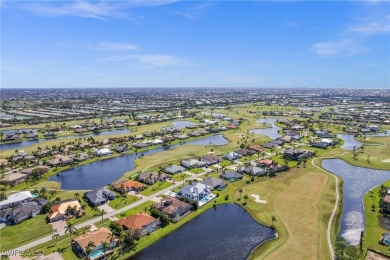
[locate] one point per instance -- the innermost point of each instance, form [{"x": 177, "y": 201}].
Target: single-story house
[
  {"x": 60, "y": 160},
  {"x": 97, "y": 237},
  {"x": 140, "y": 145},
  {"x": 13, "y": 178},
  {"x": 214, "y": 183},
  {"x": 16, "y": 199},
  {"x": 256, "y": 148},
  {"x": 63, "y": 208},
  {"x": 152, "y": 177},
  {"x": 211, "y": 159},
  {"x": 173, "y": 169},
  {"x": 42, "y": 170},
  {"x": 103, "y": 152},
  {"x": 142, "y": 223},
  {"x": 253, "y": 170},
  {"x": 245, "y": 152},
  {"x": 195, "y": 191},
  {"x": 231, "y": 175},
  {"x": 99, "y": 196},
  {"x": 20, "y": 212},
  {"x": 129, "y": 185},
  {"x": 385, "y": 239},
  {"x": 232, "y": 156},
  {"x": 192, "y": 163},
  {"x": 173, "y": 207}
]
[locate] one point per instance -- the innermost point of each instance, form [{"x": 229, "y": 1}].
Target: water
[
  {"x": 385, "y": 133},
  {"x": 226, "y": 232},
  {"x": 271, "y": 132},
  {"x": 357, "y": 182},
  {"x": 349, "y": 141},
  {"x": 101, "y": 173},
  {"x": 182, "y": 124},
  {"x": 26, "y": 143}
]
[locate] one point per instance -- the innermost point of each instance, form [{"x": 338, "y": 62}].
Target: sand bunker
[
  {"x": 257, "y": 199},
  {"x": 387, "y": 160}
]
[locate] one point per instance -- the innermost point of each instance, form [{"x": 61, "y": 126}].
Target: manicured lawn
[
  {"x": 140, "y": 208},
  {"x": 27, "y": 231},
  {"x": 224, "y": 163},
  {"x": 121, "y": 202},
  {"x": 155, "y": 188},
  {"x": 196, "y": 170},
  {"x": 373, "y": 231}
]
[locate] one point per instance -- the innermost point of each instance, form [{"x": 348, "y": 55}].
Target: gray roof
[
  {"x": 99, "y": 196},
  {"x": 213, "y": 182},
  {"x": 21, "y": 212},
  {"x": 174, "y": 168},
  {"x": 231, "y": 174}
]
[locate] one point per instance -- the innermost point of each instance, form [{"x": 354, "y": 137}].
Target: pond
[
  {"x": 357, "y": 182},
  {"x": 271, "y": 132},
  {"x": 101, "y": 173},
  {"x": 349, "y": 141},
  {"x": 226, "y": 232},
  {"x": 181, "y": 124},
  {"x": 26, "y": 143}
]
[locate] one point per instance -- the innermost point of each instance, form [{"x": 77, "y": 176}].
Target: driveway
[
  {"x": 59, "y": 226},
  {"x": 106, "y": 208}
]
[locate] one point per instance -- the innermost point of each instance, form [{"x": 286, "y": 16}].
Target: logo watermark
[{"x": 15, "y": 252}]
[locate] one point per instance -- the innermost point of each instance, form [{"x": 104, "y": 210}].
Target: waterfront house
[
  {"x": 194, "y": 192},
  {"x": 142, "y": 223},
  {"x": 173, "y": 207},
  {"x": 20, "y": 212},
  {"x": 13, "y": 178},
  {"x": 173, "y": 169},
  {"x": 97, "y": 237},
  {"x": 63, "y": 209},
  {"x": 16, "y": 199},
  {"x": 40, "y": 169},
  {"x": 128, "y": 185},
  {"x": 103, "y": 152},
  {"x": 214, "y": 183},
  {"x": 99, "y": 196},
  {"x": 192, "y": 163},
  {"x": 60, "y": 160},
  {"x": 231, "y": 176}
]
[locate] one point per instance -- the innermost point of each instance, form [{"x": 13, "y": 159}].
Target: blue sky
[{"x": 167, "y": 43}]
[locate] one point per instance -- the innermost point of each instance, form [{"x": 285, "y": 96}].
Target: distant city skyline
[{"x": 195, "y": 44}]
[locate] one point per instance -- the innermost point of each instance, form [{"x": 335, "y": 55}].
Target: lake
[
  {"x": 101, "y": 173},
  {"x": 226, "y": 232},
  {"x": 26, "y": 143},
  {"x": 181, "y": 124},
  {"x": 349, "y": 141},
  {"x": 357, "y": 182},
  {"x": 271, "y": 132}
]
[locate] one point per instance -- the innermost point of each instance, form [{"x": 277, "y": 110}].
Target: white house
[
  {"x": 16, "y": 199},
  {"x": 157, "y": 141},
  {"x": 195, "y": 191},
  {"x": 103, "y": 151},
  {"x": 192, "y": 163}
]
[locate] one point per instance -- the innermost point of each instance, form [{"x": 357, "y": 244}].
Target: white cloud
[
  {"x": 345, "y": 47},
  {"x": 372, "y": 28},
  {"x": 151, "y": 59},
  {"x": 114, "y": 46},
  {"x": 91, "y": 9},
  {"x": 194, "y": 12}
]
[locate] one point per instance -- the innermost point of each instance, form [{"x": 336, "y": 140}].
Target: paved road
[{"x": 97, "y": 219}]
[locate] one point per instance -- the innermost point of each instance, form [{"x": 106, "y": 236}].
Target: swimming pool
[
  {"x": 34, "y": 195},
  {"x": 206, "y": 199},
  {"x": 97, "y": 253}
]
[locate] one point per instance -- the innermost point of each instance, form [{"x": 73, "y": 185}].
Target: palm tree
[
  {"x": 104, "y": 247},
  {"x": 70, "y": 228},
  {"x": 89, "y": 249},
  {"x": 101, "y": 212},
  {"x": 245, "y": 198},
  {"x": 240, "y": 191},
  {"x": 55, "y": 237},
  {"x": 77, "y": 195}
]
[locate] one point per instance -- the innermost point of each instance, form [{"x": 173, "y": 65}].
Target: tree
[
  {"x": 273, "y": 219},
  {"x": 240, "y": 191},
  {"x": 89, "y": 249},
  {"x": 55, "y": 237},
  {"x": 77, "y": 195},
  {"x": 101, "y": 213},
  {"x": 105, "y": 246},
  {"x": 70, "y": 228},
  {"x": 245, "y": 198},
  {"x": 3, "y": 196}
]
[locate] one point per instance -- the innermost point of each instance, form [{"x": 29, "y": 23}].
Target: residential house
[
  {"x": 195, "y": 191},
  {"x": 140, "y": 145},
  {"x": 97, "y": 237},
  {"x": 211, "y": 159},
  {"x": 13, "y": 178},
  {"x": 386, "y": 204},
  {"x": 192, "y": 163},
  {"x": 21, "y": 212},
  {"x": 103, "y": 152},
  {"x": 16, "y": 199},
  {"x": 385, "y": 239},
  {"x": 297, "y": 154},
  {"x": 152, "y": 177},
  {"x": 42, "y": 169},
  {"x": 253, "y": 170},
  {"x": 60, "y": 160},
  {"x": 129, "y": 185},
  {"x": 64, "y": 208},
  {"x": 245, "y": 152},
  {"x": 99, "y": 196},
  {"x": 142, "y": 223},
  {"x": 232, "y": 156},
  {"x": 214, "y": 183},
  {"x": 173, "y": 169},
  {"x": 174, "y": 208},
  {"x": 256, "y": 147},
  {"x": 231, "y": 176}
]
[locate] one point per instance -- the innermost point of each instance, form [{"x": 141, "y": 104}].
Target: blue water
[
  {"x": 349, "y": 141},
  {"x": 97, "y": 253},
  {"x": 357, "y": 181},
  {"x": 226, "y": 232},
  {"x": 271, "y": 132},
  {"x": 101, "y": 173},
  {"x": 182, "y": 124},
  {"x": 26, "y": 143}
]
